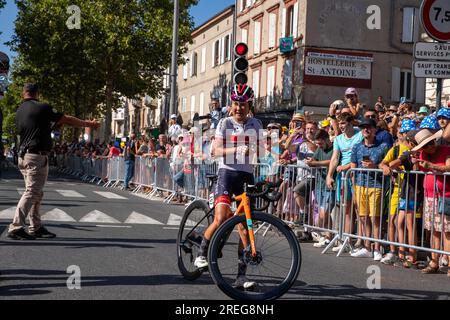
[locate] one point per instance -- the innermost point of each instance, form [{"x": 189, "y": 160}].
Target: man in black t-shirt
[
  {"x": 129, "y": 155},
  {"x": 34, "y": 122}
]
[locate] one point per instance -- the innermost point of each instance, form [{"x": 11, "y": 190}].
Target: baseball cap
[
  {"x": 173, "y": 116},
  {"x": 367, "y": 122},
  {"x": 325, "y": 123},
  {"x": 443, "y": 112},
  {"x": 407, "y": 126},
  {"x": 351, "y": 91}
]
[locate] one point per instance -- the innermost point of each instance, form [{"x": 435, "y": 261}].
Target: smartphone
[
  {"x": 402, "y": 100},
  {"x": 298, "y": 125},
  {"x": 366, "y": 158}
]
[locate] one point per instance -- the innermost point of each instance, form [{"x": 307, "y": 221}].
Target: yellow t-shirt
[{"x": 390, "y": 157}]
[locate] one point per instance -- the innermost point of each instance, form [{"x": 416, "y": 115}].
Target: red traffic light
[{"x": 241, "y": 49}]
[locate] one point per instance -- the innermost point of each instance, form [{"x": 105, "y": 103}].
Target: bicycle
[{"x": 259, "y": 234}]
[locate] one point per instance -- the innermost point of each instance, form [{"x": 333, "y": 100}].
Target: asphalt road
[{"x": 124, "y": 247}]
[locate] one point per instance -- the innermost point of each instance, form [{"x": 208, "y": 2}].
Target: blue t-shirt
[
  {"x": 384, "y": 137},
  {"x": 345, "y": 145},
  {"x": 376, "y": 153}
]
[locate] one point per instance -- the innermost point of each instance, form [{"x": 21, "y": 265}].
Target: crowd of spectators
[{"x": 383, "y": 146}]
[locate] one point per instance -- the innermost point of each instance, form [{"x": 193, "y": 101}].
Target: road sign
[
  {"x": 435, "y": 16},
  {"x": 432, "y": 69},
  {"x": 432, "y": 51}
]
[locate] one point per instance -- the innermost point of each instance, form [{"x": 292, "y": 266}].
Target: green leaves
[{"x": 121, "y": 49}]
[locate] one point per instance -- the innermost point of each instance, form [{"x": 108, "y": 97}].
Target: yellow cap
[{"x": 325, "y": 123}]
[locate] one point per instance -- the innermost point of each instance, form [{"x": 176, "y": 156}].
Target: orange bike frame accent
[{"x": 244, "y": 207}]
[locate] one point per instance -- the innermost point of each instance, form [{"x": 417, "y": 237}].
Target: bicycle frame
[{"x": 244, "y": 207}]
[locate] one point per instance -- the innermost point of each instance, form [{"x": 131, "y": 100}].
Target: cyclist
[{"x": 233, "y": 138}]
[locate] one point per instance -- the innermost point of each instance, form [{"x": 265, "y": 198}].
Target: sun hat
[
  {"x": 443, "y": 112},
  {"x": 423, "y": 109},
  {"x": 423, "y": 137},
  {"x": 408, "y": 125},
  {"x": 430, "y": 122},
  {"x": 298, "y": 116}
]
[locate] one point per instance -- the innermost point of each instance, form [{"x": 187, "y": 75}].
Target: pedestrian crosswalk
[{"x": 97, "y": 216}]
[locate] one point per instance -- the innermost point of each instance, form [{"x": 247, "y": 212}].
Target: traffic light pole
[
  {"x": 234, "y": 39},
  {"x": 174, "y": 66}
]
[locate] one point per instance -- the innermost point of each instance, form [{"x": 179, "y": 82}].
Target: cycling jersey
[{"x": 234, "y": 134}]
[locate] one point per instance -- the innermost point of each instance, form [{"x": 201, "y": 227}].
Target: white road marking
[
  {"x": 109, "y": 195},
  {"x": 175, "y": 220},
  {"x": 70, "y": 194},
  {"x": 57, "y": 215},
  {"x": 98, "y": 216},
  {"x": 171, "y": 228},
  {"x": 138, "y": 218},
  {"x": 8, "y": 213}
]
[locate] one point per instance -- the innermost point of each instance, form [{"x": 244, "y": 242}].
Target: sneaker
[
  {"x": 362, "y": 253},
  {"x": 338, "y": 248},
  {"x": 377, "y": 256},
  {"x": 42, "y": 232},
  {"x": 389, "y": 259},
  {"x": 20, "y": 234},
  {"x": 243, "y": 283},
  {"x": 316, "y": 236},
  {"x": 201, "y": 262},
  {"x": 322, "y": 244}
]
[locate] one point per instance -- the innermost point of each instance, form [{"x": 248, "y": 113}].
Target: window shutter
[
  {"x": 202, "y": 104},
  {"x": 256, "y": 83},
  {"x": 395, "y": 84},
  {"x": 213, "y": 53},
  {"x": 222, "y": 50},
  {"x": 185, "y": 70},
  {"x": 192, "y": 103},
  {"x": 257, "y": 38},
  {"x": 417, "y": 24},
  {"x": 191, "y": 65},
  {"x": 229, "y": 46},
  {"x": 203, "y": 67},
  {"x": 244, "y": 35},
  {"x": 270, "y": 83},
  {"x": 272, "y": 29},
  {"x": 408, "y": 25},
  {"x": 283, "y": 23},
  {"x": 295, "y": 21}
]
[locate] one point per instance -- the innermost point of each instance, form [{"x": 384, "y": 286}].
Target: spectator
[
  {"x": 423, "y": 112},
  {"x": 216, "y": 113},
  {"x": 352, "y": 102},
  {"x": 382, "y": 136},
  {"x": 443, "y": 116},
  {"x": 368, "y": 185},
  {"x": 435, "y": 158},
  {"x": 392, "y": 158},
  {"x": 143, "y": 148},
  {"x": 325, "y": 197},
  {"x": 129, "y": 154},
  {"x": 379, "y": 104},
  {"x": 341, "y": 162},
  {"x": 174, "y": 127},
  {"x": 392, "y": 120}
]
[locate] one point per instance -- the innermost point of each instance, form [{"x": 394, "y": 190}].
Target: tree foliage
[{"x": 121, "y": 49}]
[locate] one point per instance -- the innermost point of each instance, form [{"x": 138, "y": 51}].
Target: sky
[{"x": 204, "y": 10}]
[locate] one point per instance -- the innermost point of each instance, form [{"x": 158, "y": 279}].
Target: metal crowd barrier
[{"x": 421, "y": 217}]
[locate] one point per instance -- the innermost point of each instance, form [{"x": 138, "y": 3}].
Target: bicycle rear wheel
[
  {"x": 274, "y": 269},
  {"x": 196, "y": 219}
]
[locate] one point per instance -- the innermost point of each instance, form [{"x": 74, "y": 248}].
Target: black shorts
[{"x": 230, "y": 183}]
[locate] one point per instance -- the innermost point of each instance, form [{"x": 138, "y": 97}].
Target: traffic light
[{"x": 240, "y": 63}]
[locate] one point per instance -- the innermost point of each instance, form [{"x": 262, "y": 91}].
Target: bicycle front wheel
[
  {"x": 197, "y": 217},
  {"x": 267, "y": 276}
]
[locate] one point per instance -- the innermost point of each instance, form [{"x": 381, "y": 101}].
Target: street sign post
[
  {"x": 435, "y": 18},
  {"x": 432, "y": 69},
  {"x": 432, "y": 50}
]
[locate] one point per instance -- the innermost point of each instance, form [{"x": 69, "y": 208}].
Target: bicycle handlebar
[{"x": 267, "y": 187}]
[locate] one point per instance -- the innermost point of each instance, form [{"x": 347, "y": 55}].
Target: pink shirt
[{"x": 441, "y": 155}]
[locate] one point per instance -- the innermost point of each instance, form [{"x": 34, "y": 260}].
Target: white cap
[{"x": 173, "y": 116}]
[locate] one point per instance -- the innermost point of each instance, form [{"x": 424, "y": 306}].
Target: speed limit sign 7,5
[{"x": 435, "y": 16}]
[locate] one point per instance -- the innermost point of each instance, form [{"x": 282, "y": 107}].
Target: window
[
  {"x": 192, "y": 103},
  {"x": 256, "y": 76},
  {"x": 183, "y": 104},
  {"x": 291, "y": 21},
  {"x": 203, "y": 66},
  {"x": 402, "y": 84},
  {"x": 411, "y": 25},
  {"x": 270, "y": 84},
  {"x": 257, "y": 38},
  {"x": 226, "y": 48},
  {"x": 272, "y": 30},
  {"x": 193, "y": 64},
  {"x": 216, "y": 53}
]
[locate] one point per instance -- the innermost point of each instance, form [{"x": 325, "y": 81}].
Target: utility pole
[{"x": 174, "y": 66}]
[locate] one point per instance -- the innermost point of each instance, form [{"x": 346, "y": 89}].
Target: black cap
[
  {"x": 31, "y": 88},
  {"x": 367, "y": 122}
]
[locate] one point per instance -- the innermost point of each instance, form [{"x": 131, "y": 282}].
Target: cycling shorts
[{"x": 230, "y": 183}]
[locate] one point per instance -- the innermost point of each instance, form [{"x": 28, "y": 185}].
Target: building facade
[
  {"x": 306, "y": 52},
  {"x": 206, "y": 75}
]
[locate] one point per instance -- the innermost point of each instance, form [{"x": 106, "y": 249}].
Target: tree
[{"x": 121, "y": 49}]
